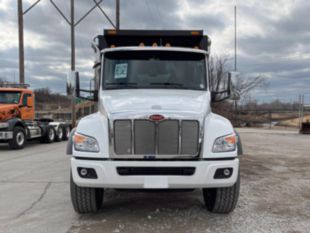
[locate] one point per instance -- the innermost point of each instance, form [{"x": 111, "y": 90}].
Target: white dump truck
[{"x": 154, "y": 128}]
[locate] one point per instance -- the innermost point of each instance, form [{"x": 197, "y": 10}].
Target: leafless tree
[
  {"x": 219, "y": 68},
  {"x": 244, "y": 85},
  {"x": 2, "y": 80}
]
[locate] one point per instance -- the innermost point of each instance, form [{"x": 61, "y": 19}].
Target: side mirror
[
  {"x": 70, "y": 86},
  {"x": 235, "y": 95},
  {"x": 91, "y": 95},
  {"x": 225, "y": 93}
]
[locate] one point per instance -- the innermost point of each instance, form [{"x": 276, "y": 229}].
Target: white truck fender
[{"x": 216, "y": 126}]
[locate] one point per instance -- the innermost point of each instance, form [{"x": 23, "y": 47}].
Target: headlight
[
  {"x": 85, "y": 143},
  {"x": 225, "y": 144},
  {"x": 4, "y": 125}
]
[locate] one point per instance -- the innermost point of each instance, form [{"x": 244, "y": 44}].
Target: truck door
[{"x": 27, "y": 108}]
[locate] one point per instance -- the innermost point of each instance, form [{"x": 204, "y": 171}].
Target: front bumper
[
  {"x": 108, "y": 176},
  {"x": 6, "y": 135}
]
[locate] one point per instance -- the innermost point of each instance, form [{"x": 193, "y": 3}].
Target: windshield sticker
[{"x": 120, "y": 71}]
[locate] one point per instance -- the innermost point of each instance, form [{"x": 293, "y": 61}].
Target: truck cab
[
  {"x": 154, "y": 128},
  {"x": 17, "y": 119},
  {"x": 16, "y": 102}
]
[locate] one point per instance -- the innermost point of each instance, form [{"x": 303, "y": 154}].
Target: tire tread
[
  {"x": 85, "y": 200},
  {"x": 225, "y": 199}
]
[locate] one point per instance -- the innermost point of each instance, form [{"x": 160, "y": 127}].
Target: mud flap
[
  {"x": 70, "y": 142},
  {"x": 239, "y": 144}
]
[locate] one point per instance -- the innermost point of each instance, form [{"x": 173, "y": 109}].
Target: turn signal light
[{"x": 231, "y": 139}]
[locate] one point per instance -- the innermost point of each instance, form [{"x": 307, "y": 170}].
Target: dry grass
[{"x": 294, "y": 122}]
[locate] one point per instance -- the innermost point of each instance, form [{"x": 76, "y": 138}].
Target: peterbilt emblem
[{"x": 157, "y": 117}]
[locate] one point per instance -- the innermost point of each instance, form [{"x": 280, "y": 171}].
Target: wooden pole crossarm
[{"x": 29, "y": 8}]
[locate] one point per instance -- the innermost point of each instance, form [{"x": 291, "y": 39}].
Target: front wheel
[
  {"x": 222, "y": 200},
  {"x": 85, "y": 200},
  {"x": 19, "y": 138}
]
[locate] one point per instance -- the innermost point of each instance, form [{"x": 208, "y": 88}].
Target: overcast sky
[{"x": 273, "y": 38}]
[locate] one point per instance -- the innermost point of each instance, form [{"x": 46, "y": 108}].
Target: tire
[
  {"x": 222, "y": 200},
  {"x": 66, "y": 134},
  {"x": 85, "y": 200},
  {"x": 60, "y": 133},
  {"x": 49, "y": 135},
  {"x": 19, "y": 138}
]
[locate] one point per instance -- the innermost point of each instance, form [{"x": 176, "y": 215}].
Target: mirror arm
[{"x": 78, "y": 90}]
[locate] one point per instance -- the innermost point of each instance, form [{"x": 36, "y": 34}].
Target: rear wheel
[
  {"x": 85, "y": 200},
  {"x": 222, "y": 200},
  {"x": 19, "y": 138},
  {"x": 66, "y": 134},
  {"x": 50, "y": 134},
  {"x": 60, "y": 133}
]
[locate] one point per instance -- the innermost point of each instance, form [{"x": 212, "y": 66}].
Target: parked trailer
[{"x": 17, "y": 119}]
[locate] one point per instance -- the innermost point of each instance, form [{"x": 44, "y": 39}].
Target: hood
[
  {"x": 5, "y": 111},
  {"x": 157, "y": 101}
]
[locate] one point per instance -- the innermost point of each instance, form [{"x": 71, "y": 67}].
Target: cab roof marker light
[
  {"x": 112, "y": 32},
  {"x": 154, "y": 44},
  {"x": 195, "y": 33},
  {"x": 141, "y": 44},
  {"x": 168, "y": 45}
]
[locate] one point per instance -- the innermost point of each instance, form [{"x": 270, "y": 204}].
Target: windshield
[
  {"x": 9, "y": 97},
  {"x": 154, "y": 69}
]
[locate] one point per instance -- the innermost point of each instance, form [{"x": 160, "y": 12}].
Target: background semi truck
[
  {"x": 154, "y": 128},
  {"x": 17, "y": 119}
]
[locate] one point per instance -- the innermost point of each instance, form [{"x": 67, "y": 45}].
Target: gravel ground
[{"x": 275, "y": 194}]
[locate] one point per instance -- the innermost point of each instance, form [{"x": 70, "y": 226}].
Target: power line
[
  {"x": 149, "y": 9},
  {"x": 73, "y": 23},
  {"x": 158, "y": 12}
]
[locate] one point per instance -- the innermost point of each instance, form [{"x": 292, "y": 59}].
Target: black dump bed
[{"x": 174, "y": 38}]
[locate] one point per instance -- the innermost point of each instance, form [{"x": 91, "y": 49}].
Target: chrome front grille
[
  {"x": 189, "y": 137},
  {"x": 168, "y": 137},
  {"x": 145, "y": 137},
  {"x": 123, "y": 137}
]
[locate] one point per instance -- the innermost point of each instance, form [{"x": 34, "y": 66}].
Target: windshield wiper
[
  {"x": 167, "y": 84},
  {"x": 122, "y": 84},
  {"x": 119, "y": 85}
]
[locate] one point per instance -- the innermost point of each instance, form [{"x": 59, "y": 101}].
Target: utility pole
[
  {"x": 117, "y": 14},
  {"x": 20, "y": 16},
  {"x": 73, "y": 23},
  {"x": 21, "y": 41},
  {"x": 235, "y": 38},
  {"x": 72, "y": 36},
  {"x": 236, "y": 101},
  {"x": 72, "y": 27}
]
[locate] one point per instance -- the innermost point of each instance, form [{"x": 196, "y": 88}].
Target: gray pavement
[{"x": 275, "y": 194}]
